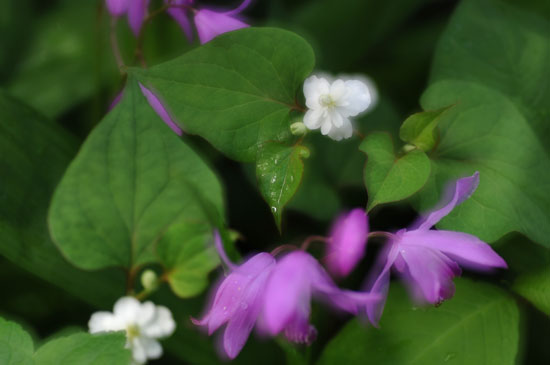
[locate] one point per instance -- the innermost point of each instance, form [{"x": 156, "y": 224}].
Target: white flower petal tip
[
  {"x": 331, "y": 104},
  {"x": 144, "y": 323}
]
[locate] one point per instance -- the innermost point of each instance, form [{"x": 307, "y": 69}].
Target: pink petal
[
  {"x": 240, "y": 8},
  {"x": 136, "y": 14},
  {"x": 379, "y": 282},
  {"x": 117, "y": 7},
  {"x": 430, "y": 273},
  {"x": 180, "y": 14},
  {"x": 349, "y": 238},
  {"x": 468, "y": 250},
  {"x": 211, "y": 24},
  {"x": 288, "y": 289},
  {"x": 156, "y": 104},
  {"x": 461, "y": 190}
]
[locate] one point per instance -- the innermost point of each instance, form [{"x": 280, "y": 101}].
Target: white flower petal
[
  {"x": 336, "y": 119},
  {"x": 103, "y": 322},
  {"x": 314, "y": 87},
  {"x": 162, "y": 325},
  {"x": 337, "y": 90},
  {"x": 147, "y": 313},
  {"x": 326, "y": 126},
  {"x": 344, "y": 132},
  {"x": 127, "y": 309},
  {"x": 357, "y": 97},
  {"x": 138, "y": 351},
  {"x": 152, "y": 348},
  {"x": 313, "y": 119}
]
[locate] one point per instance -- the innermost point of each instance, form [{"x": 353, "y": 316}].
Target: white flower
[
  {"x": 143, "y": 323},
  {"x": 331, "y": 104}
]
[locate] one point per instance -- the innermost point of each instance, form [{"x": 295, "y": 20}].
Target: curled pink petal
[
  {"x": 137, "y": 10},
  {"x": 157, "y": 106},
  {"x": 348, "y": 240},
  {"x": 180, "y": 15},
  {"x": 210, "y": 24},
  {"x": 461, "y": 190}
]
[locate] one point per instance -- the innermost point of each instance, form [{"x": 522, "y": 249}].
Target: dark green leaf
[
  {"x": 389, "y": 178},
  {"x": 132, "y": 179},
  {"x": 85, "y": 348},
  {"x": 480, "y": 325},
  {"x": 279, "y": 171},
  {"x": 499, "y": 126},
  {"x": 16, "y": 345},
  {"x": 420, "y": 129},
  {"x": 236, "y": 91}
]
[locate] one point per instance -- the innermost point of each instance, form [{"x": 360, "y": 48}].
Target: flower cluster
[
  {"x": 144, "y": 323},
  {"x": 274, "y": 294},
  {"x": 208, "y": 22}
]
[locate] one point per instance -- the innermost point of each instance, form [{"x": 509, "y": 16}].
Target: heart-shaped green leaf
[
  {"x": 131, "y": 181},
  {"x": 495, "y": 69},
  {"x": 389, "y": 178},
  {"x": 236, "y": 91}
]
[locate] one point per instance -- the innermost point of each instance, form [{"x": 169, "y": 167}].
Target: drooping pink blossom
[
  {"x": 212, "y": 23},
  {"x": 427, "y": 259},
  {"x": 135, "y": 10},
  {"x": 347, "y": 243}
]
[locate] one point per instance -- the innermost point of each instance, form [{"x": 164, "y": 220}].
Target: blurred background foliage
[{"x": 55, "y": 56}]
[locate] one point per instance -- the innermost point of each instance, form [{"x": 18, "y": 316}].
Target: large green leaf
[
  {"x": 389, "y": 178},
  {"x": 132, "y": 179},
  {"x": 279, "y": 170},
  {"x": 84, "y": 348},
  {"x": 236, "y": 91},
  {"x": 34, "y": 152},
  {"x": 16, "y": 347},
  {"x": 480, "y": 325},
  {"x": 493, "y": 63}
]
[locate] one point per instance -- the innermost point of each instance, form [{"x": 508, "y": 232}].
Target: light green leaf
[
  {"x": 132, "y": 179},
  {"x": 236, "y": 91},
  {"x": 389, "y": 178},
  {"x": 187, "y": 252},
  {"x": 479, "y": 325},
  {"x": 16, "y": 347},
  {"x": 492, "y": 62},
  {"x": 85, "y": 348},
  {"x": 420, "y": 129},
  {"x": 279, "y": 170}
]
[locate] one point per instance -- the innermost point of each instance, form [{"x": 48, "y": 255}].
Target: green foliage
[
  {"x": 131, "y": 181},
  {"x": 279, "y": 171},
  {"x": 492, "y": 63},
  {"x": 34, "y": 153},
  {"x": 16, "y": 347},
  {"x": 420, "y": 129},
  {"x": 188, "y": 255},
  {"x": 84, "y": 348},
  {"x": 390, "y": 178},
  {"x": 236, "y": 91},
  {"x": 480, "y": 325}
]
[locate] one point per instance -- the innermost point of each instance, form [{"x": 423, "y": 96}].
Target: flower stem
[
  {"x": 311, "y": 239},
  {"x": 115, "y": 47},
  {"x": 283, "y": 248},
  {"x": 381, "y": 234}
]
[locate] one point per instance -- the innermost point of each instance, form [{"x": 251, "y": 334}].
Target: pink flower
[
  {"x": 134, "y": 9},
  {"x": 347, "y": 244},
  {"x": 238, "y": 300},
  {"x": 212, "y": 23},
  {"x": 428, "y": 259}
]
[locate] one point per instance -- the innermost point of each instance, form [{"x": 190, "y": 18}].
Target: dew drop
[
  {"x": 449, "y": 356},
  {"x": 274, "y": 209}
]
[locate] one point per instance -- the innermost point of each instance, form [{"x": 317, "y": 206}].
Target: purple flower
[
  {"x": 211, "y": 23},
  {"x": 347, "y": 245},
  {"x": 428, "y": 259},
  {"x": 180, "y": 12},
  {"x": 134, "y": 9},
  {"x": 297, "y": 278},
  {"x": 238, "y": 300}
]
